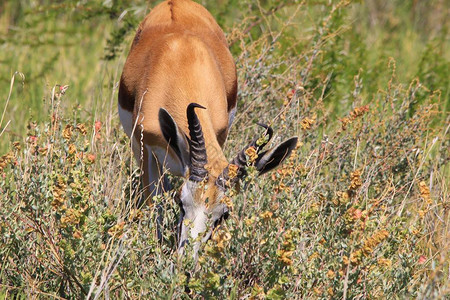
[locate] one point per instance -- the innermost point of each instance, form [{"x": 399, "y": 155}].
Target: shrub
[{"x": 360, "y": 209}]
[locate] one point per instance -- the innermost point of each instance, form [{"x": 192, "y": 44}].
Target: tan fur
[{"x": 180, "y": 55}]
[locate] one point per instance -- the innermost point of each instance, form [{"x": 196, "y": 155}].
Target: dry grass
[{"x": 360, "y": 210}]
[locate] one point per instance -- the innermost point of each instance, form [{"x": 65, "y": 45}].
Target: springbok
[{"x": 180, "y": 78}]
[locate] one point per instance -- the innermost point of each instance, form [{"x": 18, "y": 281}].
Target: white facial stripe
[
  {"x": 194, "y": 213},
  {"x": 199, "y": 221},
  {"x": 197, "y": 214}
]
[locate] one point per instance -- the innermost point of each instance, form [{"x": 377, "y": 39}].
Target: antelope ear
[
  {"x": 270, "y": 159},
  {"x": 177, "y": 140}
]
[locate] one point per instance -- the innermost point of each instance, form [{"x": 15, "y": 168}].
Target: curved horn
[
  {"x": 269, "y": 133},
  {"x": 240, "y": 160},
  {"x": 197, "y": 145}
]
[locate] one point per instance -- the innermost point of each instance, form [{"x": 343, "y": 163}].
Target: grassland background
[{"x": 360, "y": 211}]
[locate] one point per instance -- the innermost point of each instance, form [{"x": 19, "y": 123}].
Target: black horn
[
  {"x": 268, "y": 133},
  {"x": 197, "y": 145},
  {"x": 240, "y": 160}
]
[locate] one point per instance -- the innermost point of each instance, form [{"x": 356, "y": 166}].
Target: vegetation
[{"x": 360, "y": 210}]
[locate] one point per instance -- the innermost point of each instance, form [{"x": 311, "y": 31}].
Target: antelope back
[{"x": 178, "y": 23}]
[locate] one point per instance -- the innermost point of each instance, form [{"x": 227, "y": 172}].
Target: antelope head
[{"x": 202, "y": 195}]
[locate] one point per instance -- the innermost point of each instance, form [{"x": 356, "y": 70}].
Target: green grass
[{"x": 360, "y": 210}]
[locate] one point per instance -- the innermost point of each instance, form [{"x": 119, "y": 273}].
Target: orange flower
[
  {"x": 227, "y": 201},
  {"x": 345, "y": 121},
  {"x": 90, "y": 158},
  {"x": 267, "y": 215},
  {"x": 355, "y": 180},
  {"x": 81, "y": 128},
  {"x": 383, "y": 262},
  {"x": 368, "y": 246},
  {"x": 97, "y": 128},
  {"x": 5, "y": 159},
  {"x": 221, "y": 237},
  {"x": 287, "y": 248},
  {"x": 59, "y": 191},
  {"x": 71, "y": 217},
  {"x": 306, "y": 123},
  {"x": 77, "y": 234},
  {"x": 422, "y": 259},
  {"x": 359, "y": 111},
  {"x": 313, "y": 256},
  {"x": 67, "y": 132},
  {"x": 72, "y": 149},
  {"x": 17, "y": 146},
  {"x": 425, "y": 192},
  {"x": 252, "y": 154},
  {"x": 345, "y": 260},
  {"x": 285, "y": 256},
  {"x": 232, "y": 171}
]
